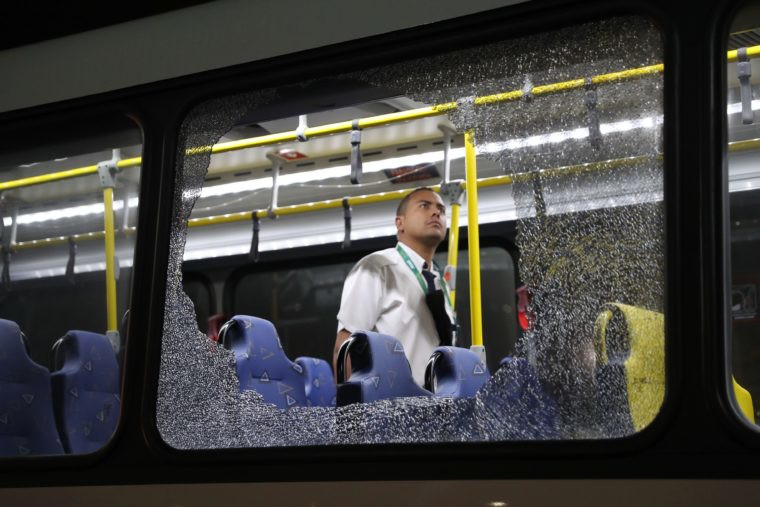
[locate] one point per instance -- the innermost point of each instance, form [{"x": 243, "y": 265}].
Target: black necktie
[
  {"x": 429, "y": 277},
  {"x": 435, "y": 302}
]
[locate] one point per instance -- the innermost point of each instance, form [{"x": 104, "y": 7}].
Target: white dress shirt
[{"x": 382, "y": 294}]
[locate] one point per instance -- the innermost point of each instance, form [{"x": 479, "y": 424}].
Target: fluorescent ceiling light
[
  {"x": 737, "y": 107},
  {"x": 430, "y": 157},
  {"x": 71, "y": 212},
  {"x": 341, "y": 171},
  {"x": 565, "y": 135}
]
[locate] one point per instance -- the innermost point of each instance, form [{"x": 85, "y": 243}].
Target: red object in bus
[
  {"x": 523, "y": 300},
  {"x": 290, "y": 155},
  {"x": 215, "y": 323}
]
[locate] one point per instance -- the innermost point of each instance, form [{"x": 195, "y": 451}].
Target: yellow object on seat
[
  {"x": 634, "y": 338},
  {"x": 744, "y": 399}
]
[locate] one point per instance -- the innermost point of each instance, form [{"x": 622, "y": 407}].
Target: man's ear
[{"x": 399, "y": 224}]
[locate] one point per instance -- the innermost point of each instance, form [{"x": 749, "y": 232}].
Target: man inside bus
[{"x": 399, "y": 291}]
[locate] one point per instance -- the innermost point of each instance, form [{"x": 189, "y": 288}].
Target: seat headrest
[
  {"x": 621, "y": 331},
  {"x": 14, "y": 351},
  {"x": 630, "y": 356},
  {"x": 87, "y": 352},
  {"x": 318, "y": 381},
  {"x": 379, "y": 370},
  {"x": 455, "y": 372},
  {"x": 260, "y": 361},
  {"x": 244, "y": 334}
]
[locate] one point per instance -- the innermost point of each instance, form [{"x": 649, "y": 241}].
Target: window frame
[
  {"x": 371, "y": 55},
  {"x": 58, "y": 127},
  {"x": 745, "y": 430}
]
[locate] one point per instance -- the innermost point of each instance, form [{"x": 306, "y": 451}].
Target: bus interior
[{"x": 552, "y": 163}]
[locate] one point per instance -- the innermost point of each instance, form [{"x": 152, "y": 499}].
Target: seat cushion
[
  {"x": 455, "y": 372},
  {"x": 27, "y": 423},
  {"x": 319, "y": 384},
  {"x": 630, "y": 351},
  {"x": 380, "y": 370},
  {"x": 261, "y": 363},
  {"x": 86, "y": 391}
]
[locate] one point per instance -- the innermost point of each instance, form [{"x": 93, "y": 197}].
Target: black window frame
[
  {"x": 72, "y": 129},
  {"x": 745, "y": 430},
  {"x": 696, "y": 405},
  {"x": 360, "y": 57}
]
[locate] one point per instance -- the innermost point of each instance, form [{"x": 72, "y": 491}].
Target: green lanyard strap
[{"x": 423, "y": 284}]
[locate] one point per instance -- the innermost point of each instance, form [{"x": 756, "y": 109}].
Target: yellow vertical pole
[
  {"x": 453, "y": 249},
  {"x": 110, "y": 259},
  {"x": 473, "y": 239}
]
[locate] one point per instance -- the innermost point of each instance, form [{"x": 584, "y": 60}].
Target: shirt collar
[{"x": 416, "y": 258}]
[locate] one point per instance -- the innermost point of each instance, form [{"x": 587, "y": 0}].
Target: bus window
[
  {"x": 557, "y": 146},
  {"x": 743, "y": 69},
  {"x": 69, "y": 216}
]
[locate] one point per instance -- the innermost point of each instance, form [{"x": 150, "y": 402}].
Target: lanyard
[{"x": 423, "y": 283}]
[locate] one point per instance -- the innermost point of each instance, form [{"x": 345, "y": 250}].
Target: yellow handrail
[
  {"x": 110, "y": 247},
  {"x": 65, "y": 175},
  {"x": 454, "y": 247},
  {"x": 752, "y": 52},
  {"x": 346, "y": 126},
  {"x": 749, "y": 144},
  {"x": 61, "y": 240},
  {"x": 473, "y": 239},
  {"x": 375, "y": 121},
  {"x": 425, "y": 112}
]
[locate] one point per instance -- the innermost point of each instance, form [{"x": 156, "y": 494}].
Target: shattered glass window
[
  {"x": 742, "y": 71},
  {"x": 68, "y": 222},
  {"x": 567, "y": 131}
]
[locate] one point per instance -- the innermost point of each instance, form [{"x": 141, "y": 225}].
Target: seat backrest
[
  {"x": 455, "y": 372},
  {"x": 27, "y": 424},
  {"x": 535, "y": 410},
  {"x": 379, "y": 370},
  {"x": 319, "y": 385},
  {"x": 85, "y": 390},
  {"x": 630, "y": 366},
  {"x": 261, "y": 363},
  {"x": 744, "y": 400}
]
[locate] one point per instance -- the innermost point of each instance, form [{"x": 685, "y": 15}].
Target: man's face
[{"x": 424, "y": 218}]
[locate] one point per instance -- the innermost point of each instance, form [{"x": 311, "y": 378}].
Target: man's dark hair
[{"x": 401, "y": 209}]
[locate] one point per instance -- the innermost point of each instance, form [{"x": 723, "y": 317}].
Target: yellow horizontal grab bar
[
  {"x": 375, "y": 121},
  {"x": 749, "y": 144},
  {"x": 399, "y": 194},
  {"x": 752, "y": 52},
  {"x": 62, "y": 240},
  {"x": 65, "y": 175},
  {"x": 424, "y": 112},
  {"x": 353, "y": 201},
  {"x": 357, "y": 200}
]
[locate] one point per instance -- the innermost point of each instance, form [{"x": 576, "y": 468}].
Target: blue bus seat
[
  {"x": 27, "y": 423},
  {"x": 261, "y": 363},
  {"x": 318, "y": 382},
  {"x": 455, "y": 372},
  {"x": 630, "y": 368},
  {"x": 536, "y": 407},
  {"x": 85, "y": 390},
  {"x": 379, "y": 370}
]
